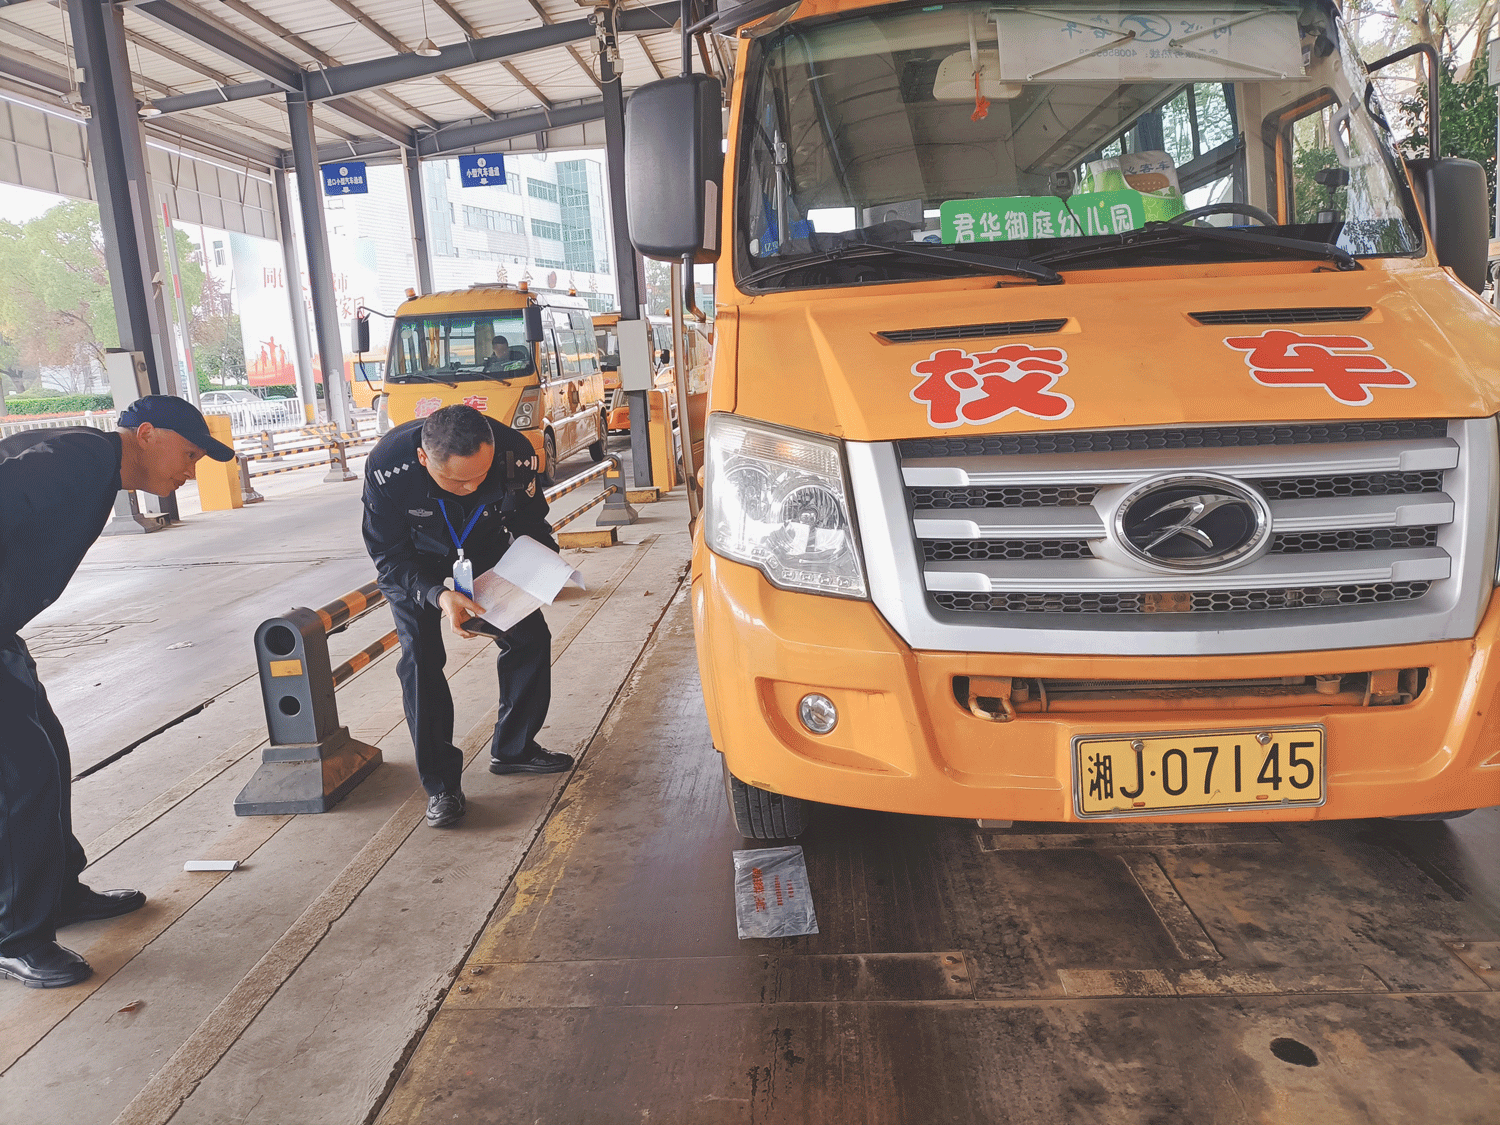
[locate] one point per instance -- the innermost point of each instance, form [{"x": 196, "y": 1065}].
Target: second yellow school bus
[{"x": 527, "y": 359}]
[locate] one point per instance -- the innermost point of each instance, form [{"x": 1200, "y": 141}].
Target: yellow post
[
  {"x": 219, "y": 481},
  {"x": 663, "y": 452}
]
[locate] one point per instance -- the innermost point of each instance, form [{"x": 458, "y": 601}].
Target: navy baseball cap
[{"x": 168, "y": 412}]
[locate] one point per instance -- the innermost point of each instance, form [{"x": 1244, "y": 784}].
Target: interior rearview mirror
[
  {"x": 674, "y": 167},
  {"x": 1456, "y": 200},
  {"x": 533, "y": 315}
]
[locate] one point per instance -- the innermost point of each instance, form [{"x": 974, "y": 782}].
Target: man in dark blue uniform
[
  {"x": 57, "y": 488},
  {"x": 458, "y": 485}
]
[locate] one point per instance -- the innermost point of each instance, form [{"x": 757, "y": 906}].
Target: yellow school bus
[
  {"x": 524, "y": 358},
  {"x": 1103, "y": 419},
  {"x": 366, "y": 376},
  {"x": 659, "y": 335}
]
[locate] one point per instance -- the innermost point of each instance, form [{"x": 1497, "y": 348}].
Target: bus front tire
[
  {"x": 549, "y": 454},
  {"x": 596, "y": 450},
  {"x": 761, "y": 815}
]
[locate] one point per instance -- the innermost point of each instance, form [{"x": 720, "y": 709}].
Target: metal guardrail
[
  {"x": 20, "y": 423},
  {"x": 617, "y": 510}
]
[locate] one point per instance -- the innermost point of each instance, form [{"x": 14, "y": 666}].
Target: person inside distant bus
[{"x": 503, "y": 359}]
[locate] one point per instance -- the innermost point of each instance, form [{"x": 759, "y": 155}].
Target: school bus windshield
[
  {"x": 918, "y": 141},
  {"x": 459, "y": 347}
]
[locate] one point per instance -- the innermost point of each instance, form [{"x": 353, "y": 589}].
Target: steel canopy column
[
  {"x": 301, "y": 337},
  {"x": 117, "y": 151},
  {"x": 319, "y": 265},
  {"x": 416, "y": 205},
  {"x": 628, "y": 281}
]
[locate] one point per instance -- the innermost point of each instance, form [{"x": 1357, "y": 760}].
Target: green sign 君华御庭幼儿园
[{"x": 1019, "y": 217}]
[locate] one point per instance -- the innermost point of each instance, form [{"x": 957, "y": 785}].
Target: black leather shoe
[
  {"x": 540, "y": 761},
  {"x": 47, "y": 966},
  {"x": 445, "y": 808},
  {"x": 92, "y": 906}
]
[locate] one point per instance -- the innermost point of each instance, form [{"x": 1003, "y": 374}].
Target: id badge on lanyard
[{"x": 463, "y": 568}]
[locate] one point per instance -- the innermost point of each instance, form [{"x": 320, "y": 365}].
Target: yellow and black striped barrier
[
  {"x": 363, "y": 657},
  {"x": 620, "y": 510},
  {"x": 351, "y": 605}
]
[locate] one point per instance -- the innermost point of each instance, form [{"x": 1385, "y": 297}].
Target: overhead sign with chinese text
[
  {"x": 482, "y": 170},
  {"x": 347, "y": 178},
  {"x": 1075, "y": 45}
]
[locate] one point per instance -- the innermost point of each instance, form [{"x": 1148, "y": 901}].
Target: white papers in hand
[{"x": 528, "y": 576}]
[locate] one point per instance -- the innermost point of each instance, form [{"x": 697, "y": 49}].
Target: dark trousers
[
  {"x": 524, "y": 668},
  {"x": 40, "y": 858}
]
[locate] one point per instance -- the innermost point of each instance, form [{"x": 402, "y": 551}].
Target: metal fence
[
  {"x": 246, "y": 420},
  {"x": 266, "y": 416},
  {"x": 20, "y": 423}
]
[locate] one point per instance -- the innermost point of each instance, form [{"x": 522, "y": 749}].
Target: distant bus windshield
[{"x": 461, "y": 346}]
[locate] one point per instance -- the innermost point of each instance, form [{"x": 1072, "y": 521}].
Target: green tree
[
  {"x": 658, "y": 287},
  {"x": 56, "y": 309},
  {"x": 1466, "y": 117}
]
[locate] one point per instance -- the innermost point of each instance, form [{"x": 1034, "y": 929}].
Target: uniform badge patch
[
  {"x": 420, "y": 513},
  {"x": 531, "y": 487}
]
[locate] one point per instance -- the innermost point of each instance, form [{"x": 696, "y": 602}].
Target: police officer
[
  {"x": 57, "y": 488},
  {"x": 453, "y": 490}
]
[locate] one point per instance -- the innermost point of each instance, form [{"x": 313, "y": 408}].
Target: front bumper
[{"x": 904, "y": 743}]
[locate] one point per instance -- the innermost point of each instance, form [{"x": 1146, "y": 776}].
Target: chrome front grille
[
  {"x": 1196, "y": 601},
  {"x": 1382, "y": 533},
  {"x": 1198, "y": 437},
  {"x": 1361, "y": 539}
]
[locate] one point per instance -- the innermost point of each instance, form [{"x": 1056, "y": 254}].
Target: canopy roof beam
[
  {"x": 224, "y": 39},
  {"x": 353, "y": 78},
  {"x": 380, "y": 32}
]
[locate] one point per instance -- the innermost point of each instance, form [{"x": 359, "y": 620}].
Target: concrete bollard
[
  {"x": 312, "y": 762},
  {"x": 617, "y": 510}
]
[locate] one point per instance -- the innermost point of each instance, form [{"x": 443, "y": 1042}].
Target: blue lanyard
[{"x": 458, "y": 540}]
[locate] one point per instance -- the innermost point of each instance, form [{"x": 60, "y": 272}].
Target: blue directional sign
[
  {"x": 481, "y": 171},
  {"x": 345, "y": 178}
]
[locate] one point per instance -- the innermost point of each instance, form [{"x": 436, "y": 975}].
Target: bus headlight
[
  {"x": 778, "y": 500},
  {"x": 526, "y": 409}
]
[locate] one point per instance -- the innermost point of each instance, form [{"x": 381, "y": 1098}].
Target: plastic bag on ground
[{"x": 771, "y": 896}]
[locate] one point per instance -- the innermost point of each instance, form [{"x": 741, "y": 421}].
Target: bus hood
[
  {"x": 405, "y": 401},
  {"x": 1107, "y": 349}
]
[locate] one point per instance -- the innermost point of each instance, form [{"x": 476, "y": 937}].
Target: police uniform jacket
[
  {"x": 57, "y": 488},
  {"x": 404, "y": 527}
]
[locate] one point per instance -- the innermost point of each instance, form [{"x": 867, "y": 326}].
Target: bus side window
[
  {"x": 583, "y": 332},
  {"x": 544, "y": 359},
  {"x": 567, "y": 345}
]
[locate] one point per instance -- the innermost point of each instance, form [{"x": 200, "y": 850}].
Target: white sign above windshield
[{"x": 1080, "y": 45}]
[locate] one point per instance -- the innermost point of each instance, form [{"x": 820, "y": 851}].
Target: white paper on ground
[{"x": 528, "y": 576}]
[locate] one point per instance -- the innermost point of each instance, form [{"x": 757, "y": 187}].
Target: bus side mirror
[
  {"x": 533, "y": 315},
  {"x": 674, "y": 167},
  {"x": 1456, "y": 201},
  {"x": 361, "y": 334}
]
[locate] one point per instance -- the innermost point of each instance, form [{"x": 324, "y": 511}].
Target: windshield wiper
[
  {"x": 422, "y": 377},
  {"x": 1156, "y": 234},
  {"x": 856, "y": 251}
]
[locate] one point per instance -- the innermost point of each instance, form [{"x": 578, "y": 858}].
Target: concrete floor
[{"x": 569, "y": 954}]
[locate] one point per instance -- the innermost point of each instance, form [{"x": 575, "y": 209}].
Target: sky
[{"x": 20, "y": 205}]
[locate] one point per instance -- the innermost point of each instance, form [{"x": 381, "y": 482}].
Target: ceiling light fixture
[
  {"x": 427, "y": 48},
  {"x": 149, "y": 109}
]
